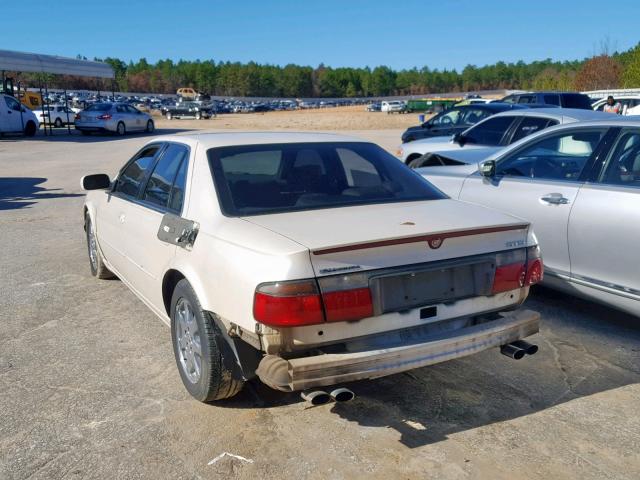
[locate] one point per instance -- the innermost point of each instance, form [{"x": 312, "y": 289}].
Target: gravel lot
[{"x": 89, "y": 388}]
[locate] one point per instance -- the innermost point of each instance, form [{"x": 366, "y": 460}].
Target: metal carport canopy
[{"x": 34, "y": 62}]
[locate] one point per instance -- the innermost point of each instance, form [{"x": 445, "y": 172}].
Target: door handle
[{"x": 554, "y": 199}]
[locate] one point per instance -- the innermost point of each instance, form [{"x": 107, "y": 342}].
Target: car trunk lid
[{"x": 361, "y": 238}]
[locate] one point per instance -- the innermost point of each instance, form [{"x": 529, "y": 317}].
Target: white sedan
[
  {"x": 579, "y": 185},
  {"x": 488, "y": 136},
  {"x": 56, "y": 115},
  {"x": 307, "y": 260}
]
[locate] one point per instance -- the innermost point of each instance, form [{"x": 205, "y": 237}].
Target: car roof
[
  {"x": 563, "y": 115},
  {"x": 495, "y": 106},
  {"x": 213, "y": 140}
]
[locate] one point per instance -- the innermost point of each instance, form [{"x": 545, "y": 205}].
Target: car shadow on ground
[
  {"x": 61, "y": 135},
  {"x": 21, "y": 192},
  {"x": 585, "y": 349}
]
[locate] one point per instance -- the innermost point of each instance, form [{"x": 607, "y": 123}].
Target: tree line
[{"x": 621, "y": 69}]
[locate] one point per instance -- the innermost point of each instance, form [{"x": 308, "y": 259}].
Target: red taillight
[
  {"x": 346, "y": 305},
  {"x": 288, "y": 304},
  {"x": 535, "y": 271},
  {"x": 298, "y": 303},
  {"x": 517, "y": 268},
  {"x": 105, "y": 116}
]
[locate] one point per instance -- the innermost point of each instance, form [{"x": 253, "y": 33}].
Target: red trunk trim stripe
[{"x": 421, "y": 238}]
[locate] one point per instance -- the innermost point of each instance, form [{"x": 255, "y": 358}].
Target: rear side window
[
  {"x": 623, "y": 164},
  {"x": 551, "y": 99},
  {"x": 489, "y": 132},
  {"x": 576, "y": 100},
  {"x": 131, "y": 177},
  {"x": 278, "y": 178},
  {"x": 98, "y": 107},
  {"x": 531, "y": 125},
  {"x": 159, "y": 187}
]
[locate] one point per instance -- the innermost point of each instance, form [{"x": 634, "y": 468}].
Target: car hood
[{"x": 382, "y": 235}]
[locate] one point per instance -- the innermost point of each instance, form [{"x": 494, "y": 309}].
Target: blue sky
[{"x": 398, "y": 33}]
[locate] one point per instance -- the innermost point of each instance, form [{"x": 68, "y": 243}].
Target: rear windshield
[
  {"x": 576, "y": 100},
  {"x": 277, "y": 178},
  {"x": 98, "y": 107}
]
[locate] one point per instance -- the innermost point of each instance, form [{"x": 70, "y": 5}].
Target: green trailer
[{"x": 431, "y": 105}]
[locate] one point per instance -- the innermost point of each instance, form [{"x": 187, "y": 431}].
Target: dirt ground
[
  {"x": 89, "y": 388},
  {"x": 337, "y": 118}
]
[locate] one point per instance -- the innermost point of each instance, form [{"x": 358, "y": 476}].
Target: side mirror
[
  {"x": 488, "y": 168},
  {"x": 460, "y": 139},
  {"x": 99, "y": 181}
]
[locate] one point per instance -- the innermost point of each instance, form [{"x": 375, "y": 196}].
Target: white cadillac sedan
[{"x": 307, "y": 260}]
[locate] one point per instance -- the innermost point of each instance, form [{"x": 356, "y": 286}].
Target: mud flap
[{"x": 238, "y": 357}]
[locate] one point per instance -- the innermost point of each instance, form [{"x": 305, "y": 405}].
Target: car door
[
  {"x": 604, "y": 226},
  {"x": 539, "y": 182},
  {"x": 135, "y": 118},
  {"x": 163, "y": 193},
  {"x": 111, "y": 215},
  {"x": 13, "y": 114}
]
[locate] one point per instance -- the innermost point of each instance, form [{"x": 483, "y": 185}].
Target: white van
[
  {"x": 393, "y": 106},
  {"x": 15, "y": 117}
]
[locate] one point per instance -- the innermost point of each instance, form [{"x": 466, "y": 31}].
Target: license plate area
[{"x": 439, "y": 283}]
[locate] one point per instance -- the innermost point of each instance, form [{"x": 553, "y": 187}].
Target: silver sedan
[
  {"x": 579, "y": 185},
  {"x": 118, "y": 118}
]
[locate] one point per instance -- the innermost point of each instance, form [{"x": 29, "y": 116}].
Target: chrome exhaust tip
[
  {"x": 512, "y": 351},
  {"x": 316, "y": 397},
  {"x": 529, "y": 348},
  {"x": 341, "y": 395}
]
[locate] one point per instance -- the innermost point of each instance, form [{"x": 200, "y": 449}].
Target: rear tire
[
  {"x": 121, "y": 130},
  {"x": 57, "y": 123},
  {"x": 197, "y": 346},
  {"x": 96, "y": 262},
  {"x": 30, "y": 129}
]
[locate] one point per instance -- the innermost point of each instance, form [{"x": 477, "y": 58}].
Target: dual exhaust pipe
[
  {"x": 320, "y": 397},
  {"x": 518, "y": 349}
]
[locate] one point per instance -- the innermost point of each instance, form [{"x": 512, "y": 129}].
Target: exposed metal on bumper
[{"x": 329, "y": 369}]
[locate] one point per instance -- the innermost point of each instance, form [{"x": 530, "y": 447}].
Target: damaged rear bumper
[{"x": 332, "y": 368}]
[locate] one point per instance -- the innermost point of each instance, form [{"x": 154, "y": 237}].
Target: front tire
[
  {"x": 150, "y": 126},
  {"x": 198, "y": 345},
  {"x": 96, "y": 262},
  {"x": 198, "y": 116},
  {"x": 30, "y": 129},
  {"x": 169, "y": 116}
]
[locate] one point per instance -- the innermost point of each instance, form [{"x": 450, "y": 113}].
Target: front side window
[
  {"x": 134, "y": 173},
  {"x": 623, "y": 165},
  {"x": 259, "y": 179},
  {"x": 561, "y": 156},
  {"x": 158, "y": 189},
  {"x": 530, "y": 125},
  {"x": 489, "y": 132},
  {"x": 527, "y": 99},
  {"x": 12, "y": 103},
  {"x": 471, "y": 116},
  {"x": 448, "y": 118}
]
